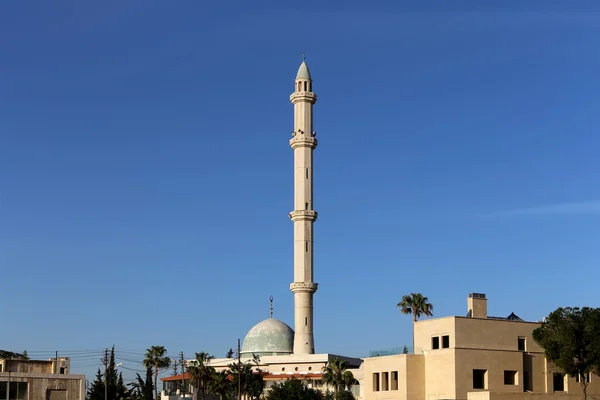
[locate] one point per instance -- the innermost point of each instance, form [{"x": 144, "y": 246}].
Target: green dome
[
  {"x": 270, "y": 337},
  {"x": 303, "y": 72}
]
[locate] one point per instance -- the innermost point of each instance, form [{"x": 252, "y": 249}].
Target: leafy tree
[
  {"x": 201, "y": 373},
  {"x": 344, "y": 395},
  {"x": 251, "y": 382},
  {"x": 116, "y": 387},
  {"x": 293, "y": 389},
  {"x": 569, "y": 337},
  {"x": 25, "y": 355},
  {"x": 142, "y": 389},
  {"x": 417, "y": 305},
  {"x": 336, "y": 374},
  {"x": 220, "y": 384},
  {"x": 156, "y": 358},
  {"x": 229, "y": 353},
  {"x": 405, "y": 350}
]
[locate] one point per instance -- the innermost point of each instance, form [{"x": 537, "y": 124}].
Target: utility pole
[
  {"x": 182, "y": 376},
  {"x": 239, "y": 357},
  {"x": 105, "y": 362}
]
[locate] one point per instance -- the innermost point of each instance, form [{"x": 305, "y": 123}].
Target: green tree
[
  {"x": 345, "y": 395},
  {"x": 174, "y": 371},
  {"x": 116, "y": 387},
  {"x": 156, "y": 357},
  {"x": 336, "y": 375},
  {"x": 229, "y": 353},
  {"x": 220, "y": 384},
  {"x": 570, "y": 339},
  {"x": 250, "y": 377},
  {"x": 293, "y": 389},
  {"x": 25, "y": 355},
  {"x": 142, "y": 389},
  {"x": 201, "y": 373},
  {"x": 417, "y": 305},
  {"x": 405, "y": 350}
]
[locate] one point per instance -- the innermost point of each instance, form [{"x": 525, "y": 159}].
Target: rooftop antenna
[{"x": 271, "y": 301}]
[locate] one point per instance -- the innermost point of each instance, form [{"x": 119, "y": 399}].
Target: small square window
[
  {"x": 445, "y": 342},
  {"x": 521, "y": 344},
  {"x": 435, "y": 342},
  {"x": 558, "y": 382},
  {"x": 510, "y": 377},
  {"x": 479, "y": 378}
]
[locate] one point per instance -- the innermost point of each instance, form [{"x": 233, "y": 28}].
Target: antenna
[{"x": 271, "y": 301}]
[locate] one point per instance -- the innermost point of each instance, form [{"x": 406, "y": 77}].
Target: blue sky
[{"x": 146, "y": 177}]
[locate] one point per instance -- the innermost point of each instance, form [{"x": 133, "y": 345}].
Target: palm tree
[
  {"x": 156, "y": 358},
  {"x": 220, "y": 384},
  {"x": 201, "y": 373},
  {"x": 335, "y": 374},
  {"x": 417, "y": 305}
]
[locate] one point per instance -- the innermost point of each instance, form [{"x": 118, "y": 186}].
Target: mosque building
[{"x": 285, "y": 352}]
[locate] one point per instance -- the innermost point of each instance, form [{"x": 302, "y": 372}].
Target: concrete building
[
  {"x": 285, "y": 352},
  {"x": 22, "y": 379},
  {"x": 476, "y": 357}
]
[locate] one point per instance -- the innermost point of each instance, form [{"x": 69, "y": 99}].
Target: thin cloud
[{"x": 582, "y": 208}]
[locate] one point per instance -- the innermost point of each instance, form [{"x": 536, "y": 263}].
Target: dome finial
[
  {"x": 271, "y": 301},
  {"x": 303, "y": 57}
]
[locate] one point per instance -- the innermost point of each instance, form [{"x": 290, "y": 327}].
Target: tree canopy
[
  {"x": 415, "y": 304},
  {"x": 293, "y": 389},
  {"x": 570, "y": 338}
]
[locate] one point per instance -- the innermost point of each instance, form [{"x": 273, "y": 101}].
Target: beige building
[
  {"x": 39, "y": 380},
  {"x": 476, "y": 357}
]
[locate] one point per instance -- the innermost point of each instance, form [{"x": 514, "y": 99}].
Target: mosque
[{"x": 285, "y": 352}]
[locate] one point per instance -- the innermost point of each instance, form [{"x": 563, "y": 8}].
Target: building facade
[
  {"x": 476, "y": 357},
  {"x": 22, "y": 379}
]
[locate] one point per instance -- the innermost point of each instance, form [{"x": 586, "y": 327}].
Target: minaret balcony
[
  {"x": 302, "y": 140},
  {"x": 304, "y": 215},
  {"x": 309, "y": 97},
  {"x": 304, "y": 287}
]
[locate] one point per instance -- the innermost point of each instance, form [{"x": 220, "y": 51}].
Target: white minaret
[{"x": 303, "y": 142}]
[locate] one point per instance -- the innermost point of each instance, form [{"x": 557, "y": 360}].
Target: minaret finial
[
  {"x": 271, "y": 301},
  {"x": 303, "y": 57}
]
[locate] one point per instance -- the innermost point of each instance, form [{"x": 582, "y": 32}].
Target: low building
[
  {"x": 22, "y": 379},
  {"x": 476, "y": 357}
]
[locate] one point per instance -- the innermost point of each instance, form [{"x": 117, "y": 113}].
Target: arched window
[
  {"x": 305, "y": 83},
  {"x": 310, "y": 87},
  {"x": 299, "y": 86}
]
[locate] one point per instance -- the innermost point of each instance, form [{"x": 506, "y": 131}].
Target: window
[
  {"x": 376, "y": 381},
  {"x": 305, "y": 321},
  {"x": 306, "y": 246},
  {"x": 62, "y": 370},
  {"x": 479, "y": 378},
  {"x": 306, "y": 173},
  {"x": 394, "y": 383},
  {"x": 558, "y": 382},
  {"x": 578, "y": 378},
  {"x": 299, "y": 87},
  {"x": 521, "y": 344},
  {"x": 445, "y": 341},
  {"x": 510, "y": 377},
  {"x": 306, "y": 206},
  {"x": 305, "y": 83},
  {"x": 385, "y": 381},
  {"x": 526, "y": 382},
  {"x": 435, "y": 343}
]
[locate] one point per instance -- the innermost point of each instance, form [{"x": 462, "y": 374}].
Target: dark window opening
[
  {"x": 305, "y": 321},
  {"x": 376, "y": 382},
  {"x": 306, "y": 173},
  {"x": 521, "y": 344},
  {"x": 435, "y": 343},
  {"x": 310, "y": 87},
  {"x": 526, "y": 381},
  {"x": 558, "y": 382},
  {"x": 445, "y": 341},
  {"x": 62, "y": 370},
  {"x": 306, "y": 206},
  {"x": 306, "y": 246},
  {"x": 479, "y": 378},
  {"x": 394, "y": 383},
  {"x": 305, "y": 83},
  {"x": 510, "y": 377}
]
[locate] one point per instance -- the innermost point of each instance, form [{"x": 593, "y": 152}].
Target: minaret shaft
[{"x": 303, "y": 142}]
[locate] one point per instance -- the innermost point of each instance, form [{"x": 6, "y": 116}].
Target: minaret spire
[{"x": 303, "y": 142}]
